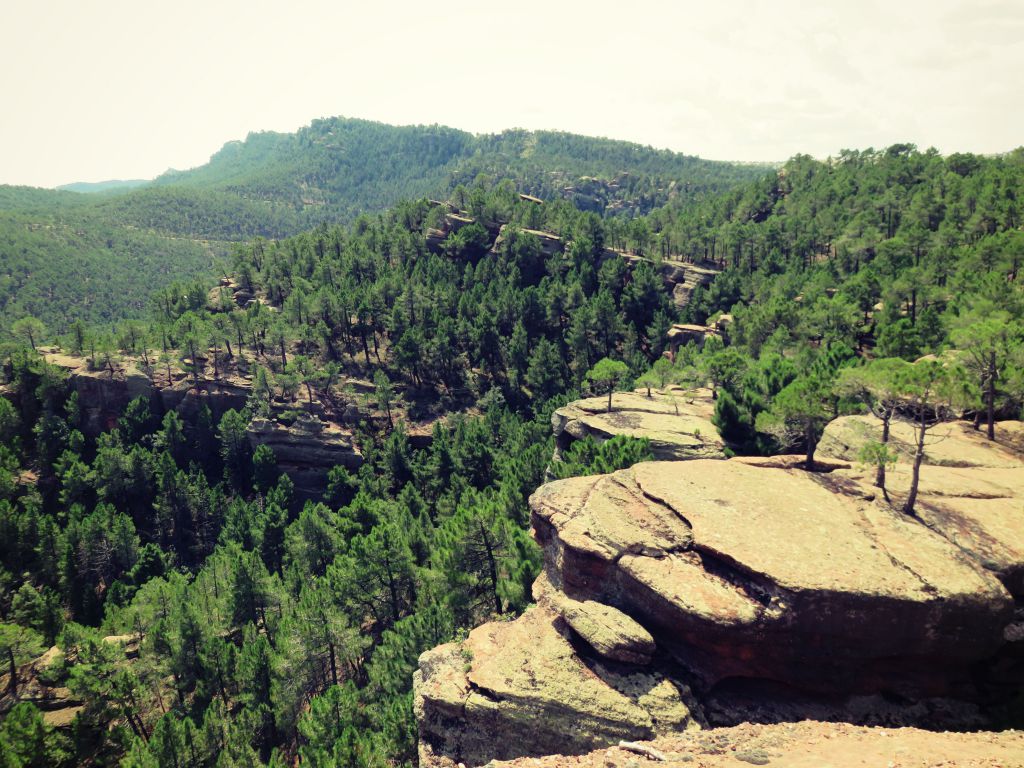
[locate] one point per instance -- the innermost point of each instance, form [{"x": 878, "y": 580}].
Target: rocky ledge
[
  {"x": 746, "y": 590},
  {"x": 677, "y": 422},
  {"x": 306, "y": 450},
  {"x": 306, "y": 445}
]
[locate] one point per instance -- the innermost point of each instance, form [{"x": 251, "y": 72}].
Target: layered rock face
[
  {"x": 757, "y": 572},
  {"x": 681, "y": 278},
  {"x": 676, "y": 422},
  {"x": 306, "y": 448},
  {"x": 754, "y": 591}
]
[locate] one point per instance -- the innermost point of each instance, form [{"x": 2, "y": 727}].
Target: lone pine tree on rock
[{"x": 605, "y": 374}]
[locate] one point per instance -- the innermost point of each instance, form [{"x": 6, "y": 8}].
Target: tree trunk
[
  {"x": 334, "y": 663},
  {"x": 880, "y": 472},
  {"x": 811, "y": 445},
  {"x": 493, "y": 569},
  {"x": 366, "y": 347},
  {"x": 990, "y": 402},
  {"x": 611, "y": 388},
  {"x": 908, "y": 506},
  {"x": 12, "y": 682}
]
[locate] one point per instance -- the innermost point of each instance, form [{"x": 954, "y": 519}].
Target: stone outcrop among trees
[
  {"x": 770, "y": 593},
  {"x": 676, "y": 422},
  {"x": 305, "y": 447}
]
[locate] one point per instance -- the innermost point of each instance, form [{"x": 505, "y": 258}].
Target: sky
[{"x": 96, "y": 90}]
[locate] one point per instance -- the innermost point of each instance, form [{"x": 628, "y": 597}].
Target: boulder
[
  {"x": 753, "y": 571},
  {"x": 609, "y": 632},
  {"x": 519, "y": 688},
  {"x": 676, "y": 422}
]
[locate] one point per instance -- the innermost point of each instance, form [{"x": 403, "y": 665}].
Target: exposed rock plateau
[
  {"x": 680, "y": 595},
  {"x": 676, "y": 422}
]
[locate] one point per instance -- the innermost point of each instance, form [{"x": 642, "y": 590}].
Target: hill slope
[{"x": 57, "y": 245}]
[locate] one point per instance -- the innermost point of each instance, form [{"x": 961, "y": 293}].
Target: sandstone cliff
[
  {"x": 746, "y": 590},
  {"x": 306, "y": 446}
]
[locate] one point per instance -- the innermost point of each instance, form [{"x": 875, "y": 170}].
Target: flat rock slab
[
  {"x": 971, "y": 489},
  {"x": 954, "y": 444},
  {"x": 746, "y": 569},
  {"x": 676, "y": 422}
]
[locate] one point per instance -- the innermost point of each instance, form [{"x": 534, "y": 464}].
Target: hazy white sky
[{"x": 125, "y": 89}]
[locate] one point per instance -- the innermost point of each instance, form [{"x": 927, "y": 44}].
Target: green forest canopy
[{"x": 274, "y": 626}]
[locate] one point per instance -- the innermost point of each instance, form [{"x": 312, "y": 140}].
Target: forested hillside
[
  {"x": 888, "y": 253},
  {"x": 335, "y": 169},
  {"x": 105, "y": 253},
  {"x": 250, "y": 623}
]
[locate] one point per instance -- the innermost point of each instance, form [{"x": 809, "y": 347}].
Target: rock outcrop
[
  {"x": 306, "y": 445},
  {"x": 971, "y": 491},
  {"x": 42, "y": 682},
  {"x": 550, "y": 243},
  {"x": 306, "y": 450},
  {"x": 681, "y": 278},
  {"x": 677, "y": 422},
  {"x": 681, "y": 334},
  {"x": 694, "y": 276},
  {"x": 757, "y": 592},
  {"x": 756, "y": 572},
  {"x": 524, "y": 680}
]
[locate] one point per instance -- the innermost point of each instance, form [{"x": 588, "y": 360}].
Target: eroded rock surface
[
  {"x": 306, "y": 447},
  {"x": 681, "y": 278},
  {"x": 971, "y": 490},
  {"x": 764, "y": 572},
  {"x": 768, "y": 594},
  {"x": 519, "y": 687},
  {"x": 676, "y": 422}
]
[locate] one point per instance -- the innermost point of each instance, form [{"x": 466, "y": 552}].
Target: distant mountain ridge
[
  {"x": 336, "y": 168},
  {"x": 132, "y": 237},
  {"x": 112, "y": 185}
]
